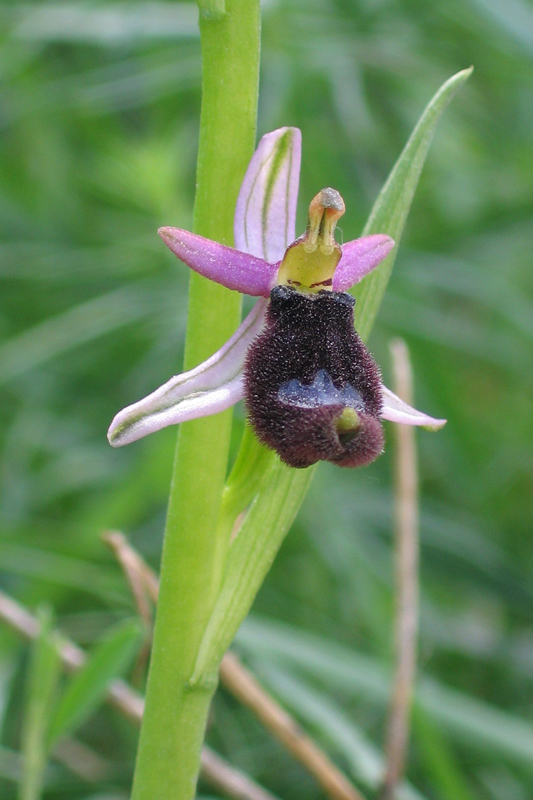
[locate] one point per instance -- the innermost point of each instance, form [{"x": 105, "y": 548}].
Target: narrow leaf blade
[
  {"x": 43, "y": 677},
  {"x": 88, "y": 687},
  {"x": 390, "y": 211}
]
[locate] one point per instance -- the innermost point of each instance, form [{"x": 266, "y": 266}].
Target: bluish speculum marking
[{"x": 321, "y": 392}]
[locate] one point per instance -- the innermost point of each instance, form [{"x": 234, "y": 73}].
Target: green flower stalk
[{"x": 175, "y": 715}]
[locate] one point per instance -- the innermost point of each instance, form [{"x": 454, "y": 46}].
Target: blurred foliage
[{"x": 99, "y": 111}]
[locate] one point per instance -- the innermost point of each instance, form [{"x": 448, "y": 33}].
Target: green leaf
[
  {"x": 250, "y": 558},
  {"x": 244, "y": 481},
  {"x": 440, "y": 762},
  {"x": 88, "y": 687},
  {"x": 392, "y": 206},
  {"x": 43, "y": 677},
  {"x": 282, "y": 489}
]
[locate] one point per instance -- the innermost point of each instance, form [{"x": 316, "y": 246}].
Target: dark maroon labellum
[{"x": 303, "y": 371}]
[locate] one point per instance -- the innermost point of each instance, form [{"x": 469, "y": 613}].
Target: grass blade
[
  {"x": 392, "y": 206},
  {"x": 89, "y": 686},
  {"x": 44, "y": 672}
]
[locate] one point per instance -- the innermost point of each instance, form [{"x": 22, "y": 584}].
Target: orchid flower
[{"x": 312, "y": 390}]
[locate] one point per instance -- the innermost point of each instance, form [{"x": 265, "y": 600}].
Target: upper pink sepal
[
  {"x": 265, "y": 214},
  {"x": 225, "y": 265},
  {"x": 395, "y": 410},
  {"x": 359, "y": 257}
]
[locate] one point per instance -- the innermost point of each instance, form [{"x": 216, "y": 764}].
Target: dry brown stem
[
  {"x": 406, "y": 568},
  {"x": 136, "y": 571},
  {"x": 82, "y": 760}
]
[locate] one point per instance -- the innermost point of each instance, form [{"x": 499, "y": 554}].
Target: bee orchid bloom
[{"x": 312, "y": 390}]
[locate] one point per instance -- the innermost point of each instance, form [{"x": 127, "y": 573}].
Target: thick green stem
[{"x": 176, "y": 711}]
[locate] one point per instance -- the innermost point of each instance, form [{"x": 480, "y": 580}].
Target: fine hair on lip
[{"x": 302, "y": 371}]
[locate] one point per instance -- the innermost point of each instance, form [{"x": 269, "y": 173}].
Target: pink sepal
[
  {"x": 225, "y": 265},
  {"x": 359, "y": 257},
  {"x": 265, "y": 214}
]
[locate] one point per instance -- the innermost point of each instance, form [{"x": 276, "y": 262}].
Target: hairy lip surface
[{"x": 302, "y": 371}]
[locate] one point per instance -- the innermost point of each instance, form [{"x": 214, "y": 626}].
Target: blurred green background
[{"x": 99, "y": 114}]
